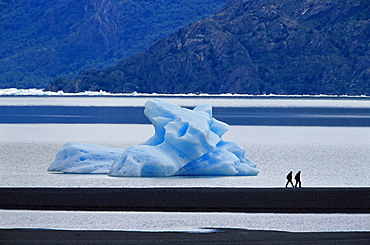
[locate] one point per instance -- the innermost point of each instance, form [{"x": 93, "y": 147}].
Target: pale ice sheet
[
  {"x": 220, "y": 101},
  {"x": 183, "y": 222},
  {"x": 327, "y": 156}
]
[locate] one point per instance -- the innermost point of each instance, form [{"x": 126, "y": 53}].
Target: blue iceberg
[{"x": 186, "y": 142}]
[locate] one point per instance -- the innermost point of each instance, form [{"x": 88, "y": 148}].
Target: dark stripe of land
[
  {"x": 261, "y": 200},
  {"x": 223, "y": 236},
  {"x": 303, "y": 200}
]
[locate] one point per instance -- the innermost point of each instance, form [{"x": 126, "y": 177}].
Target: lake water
[{"x": 328, "y": 156}]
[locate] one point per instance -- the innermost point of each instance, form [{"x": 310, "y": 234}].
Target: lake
[
  {"x": 325, "y": 138},
  {"x": 335, "y": 155}
]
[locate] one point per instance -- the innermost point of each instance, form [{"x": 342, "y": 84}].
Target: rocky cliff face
[{"x": 252, "y": 46}]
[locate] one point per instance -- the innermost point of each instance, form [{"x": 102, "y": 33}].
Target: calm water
[
  {"x": 327, "y": 156},
  {"x": 186, "y": 222},
  {"x": 237, "y": 111},
  {"x": 220, "y": 101}
]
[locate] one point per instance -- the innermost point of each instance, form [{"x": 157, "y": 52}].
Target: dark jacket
[
  {"x": 297, "y": 177},
  {"x": 289, "y": 176}
]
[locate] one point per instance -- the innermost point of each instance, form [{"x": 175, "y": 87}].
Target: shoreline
[
  {"x": 222, "y": 236},
  {"x": 249, "y": 200}
]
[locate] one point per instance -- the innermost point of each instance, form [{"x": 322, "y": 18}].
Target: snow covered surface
[
  {"x": 17, "y": 97},
  {"x": 181, "y": 222},
  {"x": 186, "y": 142},
  {"x": 42, "y": 92}
]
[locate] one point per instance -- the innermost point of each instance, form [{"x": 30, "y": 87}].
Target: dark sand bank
[
  {"x": 224, "y": 236},
  {"x": 278, "y": 200}
]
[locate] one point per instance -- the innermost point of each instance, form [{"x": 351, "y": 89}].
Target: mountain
[
  {"x": 43, "y": 39},
  {"x": 251, "y": 46}
]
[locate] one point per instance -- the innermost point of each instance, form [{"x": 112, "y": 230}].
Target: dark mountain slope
[
  {"x": 252, "y": 46},
  {"x": 42, "y": 39}
]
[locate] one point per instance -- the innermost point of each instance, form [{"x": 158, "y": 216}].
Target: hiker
[
  {"x": 297, "y": 178},
  {"x": 289, "y": 177}
]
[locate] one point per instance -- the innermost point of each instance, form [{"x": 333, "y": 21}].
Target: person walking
[
  {"x": 289, "y": 177},
  {"x": 297, "y": 178}
]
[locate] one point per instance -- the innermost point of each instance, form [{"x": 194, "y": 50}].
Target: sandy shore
[
  {"x": 224, "y": 236},
  {"x": 277, "y": 200},
  {"x": 304, "y": 200}
]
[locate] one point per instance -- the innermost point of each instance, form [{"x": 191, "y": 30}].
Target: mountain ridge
[
  {"x": 251, "y": 46},
  {"x": 40, "y": 40}
]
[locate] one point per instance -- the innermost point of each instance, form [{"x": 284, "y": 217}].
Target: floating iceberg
[{"x": 186, "y": 142}]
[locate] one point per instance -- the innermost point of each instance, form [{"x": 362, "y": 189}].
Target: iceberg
[{"x": 185, "y": 142}]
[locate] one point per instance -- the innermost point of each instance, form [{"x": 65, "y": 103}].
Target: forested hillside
[
  {"x": 251, "y": 46},
  {"x": 43, "y": 39}
]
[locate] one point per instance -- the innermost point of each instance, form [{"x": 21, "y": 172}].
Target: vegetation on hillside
[{"x": 44, "y": 39}]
